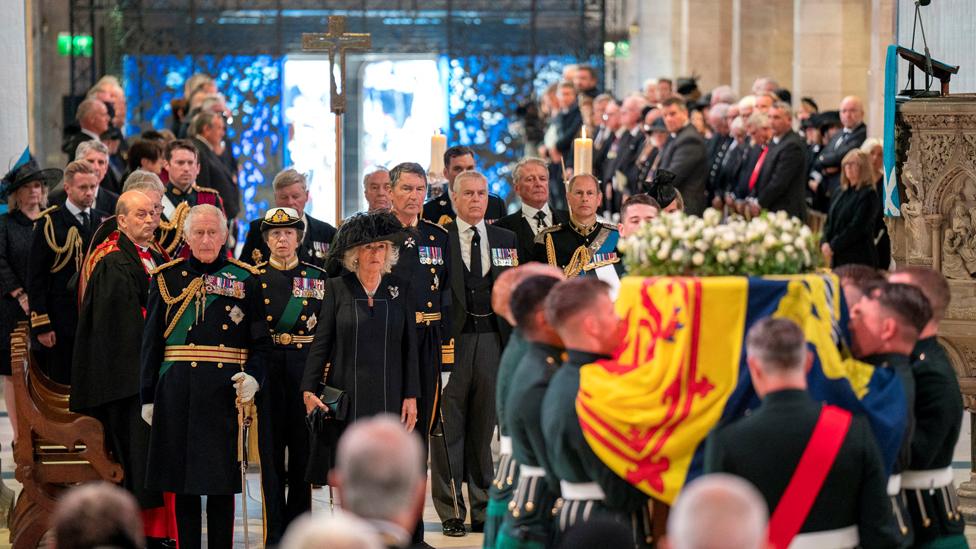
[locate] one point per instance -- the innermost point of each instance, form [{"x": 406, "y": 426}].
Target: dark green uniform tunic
[
  {"x": 529, "y": 522},
  {"x": 935, "y": 517},
  {"x": 570, "y": 459}
]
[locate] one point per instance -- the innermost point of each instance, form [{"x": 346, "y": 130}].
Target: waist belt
[
  {"x": 926, "y": 480},
  {"x": 581, "y": 490},
  {"x": 531, "y": 471},
  {"x": 288, "y": 339},
  {"x": 841, "y": 538},
  {"x": 894, "y": 485},
  {"x": 505, "y": 446},
  {"x": 205, "y": 353},
  {"x": 427, "y": 318}
]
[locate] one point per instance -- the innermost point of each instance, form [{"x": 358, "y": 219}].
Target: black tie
[
  {"x": 475, "y": 252},
  {"x": 540, "y": 219},
  {"x": 85, "y": 221}
]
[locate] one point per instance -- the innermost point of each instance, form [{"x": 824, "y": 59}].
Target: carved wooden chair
[{"x": 56, "y": 448}]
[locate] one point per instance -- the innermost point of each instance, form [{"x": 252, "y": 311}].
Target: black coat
[
  {"x": 517, "y": 223},
  {"x": 853, "y": 492},
  {"x": 849, "y": 228},
  {"x": 568, "y": 125},
  {"x": 313, "y": 249},
  {"x": 686, "y": 156},
  {"x": 215, "y": 174},
  {"x": 105, "y": 200},
  {"x": 629, "y": 147},
  {"x": 15, "y": 244},
  {"x": 717, "y": 146},
  {"x": 728, "y": 173},
  {"x": 440, "y": 210},
  {"x": 831, "y": 156},
  {"x": 782, "y": 179}
]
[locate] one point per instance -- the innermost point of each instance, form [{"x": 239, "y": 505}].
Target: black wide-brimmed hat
[
  {"x": 25, "y": 172},
  {"x": 662, "y": 188},
  {"x": 281, "y": 218},
  {"x": 365, "y": 228}
]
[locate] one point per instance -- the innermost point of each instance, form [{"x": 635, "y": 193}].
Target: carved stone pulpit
[{"x": 938, "y": 226}]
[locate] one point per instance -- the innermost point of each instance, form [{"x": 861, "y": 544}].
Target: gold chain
[
  {"x": 63, "y": 254},
  {"x": 193, "y": 289}
]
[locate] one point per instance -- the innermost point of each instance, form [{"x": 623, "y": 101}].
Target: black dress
[
  {"x": 373, "y": 351},
  {"x": 15, "y": 242},
  {"x": 850, "y": 226}
]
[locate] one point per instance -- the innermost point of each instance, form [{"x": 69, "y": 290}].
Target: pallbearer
[{"x": 292, "y": 291}]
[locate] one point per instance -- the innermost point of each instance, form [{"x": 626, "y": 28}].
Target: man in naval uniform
[
  {"x": 529, "y": 522},
  {"x": 424, "y": 261},
  {"x": 292, "y": 292},
  {"x": 204, "y": 337},
  {"x": 182, "y": 193},
  {"x": 585, "y": 319},
  {"x": 61, "y": 236},
  {"x": 291, "y": 191},
  {"x": 848, "y": 505},
  {"x": 440, "y": 210},
  {"x": 927, "y": 484}
]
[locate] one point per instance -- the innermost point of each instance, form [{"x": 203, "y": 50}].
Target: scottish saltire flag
[
  {"x": 891, "y": 202},
  {"x": 682, "y": 370}
]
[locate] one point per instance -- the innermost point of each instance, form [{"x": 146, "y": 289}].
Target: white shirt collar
[
  {"x": 776, "y": 140},
  {"x": 464, "y": 226},
  {"x": 529, "y": 212},
  {"x": 91, "y": 134},
  {"x": 75, "y": 210}
]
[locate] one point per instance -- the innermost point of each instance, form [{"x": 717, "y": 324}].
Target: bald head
[
  {"x": 505, "y": 284},
  {"x": 851, "y": 111},
  {"x": 135, "y": 213},
  {"x": 718, "y": 512}
]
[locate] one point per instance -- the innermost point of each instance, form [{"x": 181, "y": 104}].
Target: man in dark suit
[
  {"x": 846, "y": 505},
  {"x": 623, "y": 171},
  {"x": 61, "y": 236},
  {"x": 685, "y": 156},
  {"x": 568, "y": 121},
  {"x": 207, "y": 130},
  {"x": 96, "y": 154},
  {"x": 440, "y": 210},
  {"x": 531, "y": 177},
  {"x": 825, "y": 176},
  {"x": 717, "y": 145},
  {"x": 604, "y": 139},
  {"x": 478, "y": 253},
  {"x": 780, "y": 185},
  {"x": 291, "y": 191},
  {"x": 94, "y": 119}
]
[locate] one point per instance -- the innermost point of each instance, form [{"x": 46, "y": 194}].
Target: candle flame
[{"x": 584, "y": 132}]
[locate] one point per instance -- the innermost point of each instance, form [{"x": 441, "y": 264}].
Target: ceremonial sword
[{"x": 243, "y": 430}]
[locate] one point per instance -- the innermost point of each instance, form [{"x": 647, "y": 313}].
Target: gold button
[
  {"x": 298, "y": 345},
  {"x": 301, "y": 332},
  {"x": 264, "y": 284},
  {"x": 432, "y": 237},
  {"x": 303, "y": 317},
  {"x": 193, "y": 345},
  {"x": 433, "y": 288},
  {"x": 184, "y": 273},
  {"x": 193, "y": 365},
  {"x": 433, "y": 270},
  {"x": 223, "y": 326},
  {"x": 227, "y": 308},
  {"x": 220, "y": 365},
  {"x": 269, "y": 318},
  {"x": 303, "y": 273},
  {"x": 304, "y": 302},
  {"x": 221, "y": 345},
  {"x": 267, "y": 301},
  {"x": 429, "y": 304}
]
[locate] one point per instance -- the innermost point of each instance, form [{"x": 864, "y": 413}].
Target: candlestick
[
  {"x": 438, "y": 144},
  {"x": 582, "y": 154}
]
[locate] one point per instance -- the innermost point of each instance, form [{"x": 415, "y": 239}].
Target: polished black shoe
[
  {"x": 478, "y": 527},
  {"x": 454, "y": 528}
]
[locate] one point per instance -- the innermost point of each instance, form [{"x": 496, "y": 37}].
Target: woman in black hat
[
  {"x": 366, "y": 331},
  {"x": 25, "y": 190}
]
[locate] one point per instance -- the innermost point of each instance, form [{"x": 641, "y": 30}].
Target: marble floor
[{"x": 321, "y": 501}]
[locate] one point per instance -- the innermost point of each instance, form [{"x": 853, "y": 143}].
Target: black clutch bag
[{"x": 336, "y": 402}]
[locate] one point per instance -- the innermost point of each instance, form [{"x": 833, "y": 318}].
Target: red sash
[{"x": 817, "y": 459}]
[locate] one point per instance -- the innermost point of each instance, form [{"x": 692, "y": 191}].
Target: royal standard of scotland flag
[{"x": 682, "y": 370}]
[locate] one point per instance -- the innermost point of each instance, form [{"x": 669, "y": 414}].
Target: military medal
[
  {"x": 236, "y": 314},
  {"x": 308, "y": 287},
  {"x": 312, "y": 322},
  {"x": 610, "y": 257},
  {"x": 320, "y": 249},
  {"x": 220, "y": 285},
  {"x": 394, "y": 291},
  {"x": 410, "y": 242},
  {"x": 504, "y": 257},
  {"x": 437, "y": 283}
]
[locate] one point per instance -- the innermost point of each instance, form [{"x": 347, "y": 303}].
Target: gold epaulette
[
  {"x": 246, "y": 266},
  {"x": 606, "y": 225},
  {"x": 540, "y": 238},
  {"x": 432, "y": 224},
  {"x": 205, "y": 189},
  {"x": 72, "y": 248},
  {"x": 445, "y": 219},
  {"x": 165, "y": 266},
  {"x": 256, "y": 256}
]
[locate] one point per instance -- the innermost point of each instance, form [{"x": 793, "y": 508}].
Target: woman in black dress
[
  {"x": 366, "y": 330},
  {"x": 25, "y": 190},
  {"x": 848, "y": 235}
]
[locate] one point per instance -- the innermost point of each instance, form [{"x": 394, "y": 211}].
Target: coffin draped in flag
[{"x": 682, "y": 370}]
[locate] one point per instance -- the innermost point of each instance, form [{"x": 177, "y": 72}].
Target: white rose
[
  {"x": 722, "y": 257},
  {"x": 769, "y": 241},
  {"x": 780, "y": 257},
  {"x": 789, "y": 249},
  {"x": 698, "y": 259},
  {"x": 734, "y": 255},
  {"x": 712, "y": 216},
  {"x": 677, "y": 255}
]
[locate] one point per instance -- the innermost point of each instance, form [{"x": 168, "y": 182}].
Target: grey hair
[
  {"x": 201, "y": 120},
  {"x": 379, "y": 466},
  {"x": 97, "y": 514},
  {"x": 747, "y": 102},
  {"x": 723, "y": 94},
  {"x": 373, "y": 171},
  {"x": 288, "y": 177},
  {"x": 91, "y": 145},
  {"x": 718, "y": 511},
  {"x": 785, "y": 107},
  {"x": 86, "y": 107},
  {"x": 468, "y": 174},
  {"x": 341, "y": 530},
  {"x": 531, "y": 160},
  {"x": 350, "y": 259},
  {"x": 778, "y": 344},
  {"x": 757, "y": 120},
  {"x": 402, "y": 168},
  {"x": 200, "y": 210},
  {"x": 142, "y": 180},
  {"x": 737, "y": 127}
]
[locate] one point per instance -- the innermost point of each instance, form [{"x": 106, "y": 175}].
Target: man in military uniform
[
  {"x": 204, "y": 337},
  {"x": 529, "y": 523},
  {"x": 885, "y": 326},
  {"x": 291, "y": 191},
  {"x": 105, "y": 378},
  {"x": 440, "y": 210},
  {"x": 531, "y": 178},
  {"x": 61, "y": 235},
  {"x": 293, "y": 293},
  {"x": 927, "y": 484},
  {"x": 584, "y": 244},
  {"x": 585, "y": 319},
  {"x": 848, "y": 504},
  {"x": 182, "y": 193}
]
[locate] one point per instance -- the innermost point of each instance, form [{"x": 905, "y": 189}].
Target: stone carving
[{"x": 959, "y": 238}]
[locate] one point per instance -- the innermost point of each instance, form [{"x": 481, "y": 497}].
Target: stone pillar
[
  {"x": 13, "y": 92},
  {"x": 705, "y": 40},
  {"x": 764, "y": 43},
  {"x": 652, "y": 51}
]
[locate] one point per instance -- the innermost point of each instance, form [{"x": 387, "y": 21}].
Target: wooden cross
[{"x": 337, "y": 41}]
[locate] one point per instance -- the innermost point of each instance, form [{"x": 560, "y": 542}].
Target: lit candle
[
  {"x": 438, "y": 144},
  {"x": 582, "y": 154}
]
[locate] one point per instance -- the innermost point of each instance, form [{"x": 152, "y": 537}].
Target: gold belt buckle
[
  {"x": 420, "y": 317},
  {"x": 285, "y": 339}
]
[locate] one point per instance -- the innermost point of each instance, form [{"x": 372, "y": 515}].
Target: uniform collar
[
  {"x": 579, "y": 358},
  {"x": 584, "y": 230},
  {"x": 283, "y": 266},
  {"x": 786, "y": 396},
  {"x": 885, "y": 360}
]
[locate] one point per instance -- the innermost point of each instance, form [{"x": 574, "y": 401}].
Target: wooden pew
[{"x": 56, "y": 448}]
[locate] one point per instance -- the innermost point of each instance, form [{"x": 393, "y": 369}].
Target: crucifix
[{"x": 337, "y": 41}]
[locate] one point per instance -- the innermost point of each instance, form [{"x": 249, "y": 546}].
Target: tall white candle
[{"x": 582, "y": 154}]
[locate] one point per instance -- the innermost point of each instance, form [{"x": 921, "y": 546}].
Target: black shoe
[
  {"x": 478, "y": 527},
  {"x": 454, "y": 528}
]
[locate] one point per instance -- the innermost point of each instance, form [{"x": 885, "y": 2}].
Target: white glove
[
  {"x": 147, "y": 411},
  {"x": 445, "y": 377},
  {"x": 246, "y": 386}
]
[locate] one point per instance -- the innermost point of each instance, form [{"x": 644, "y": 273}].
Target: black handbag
[{"x": 337, "y": 402}]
